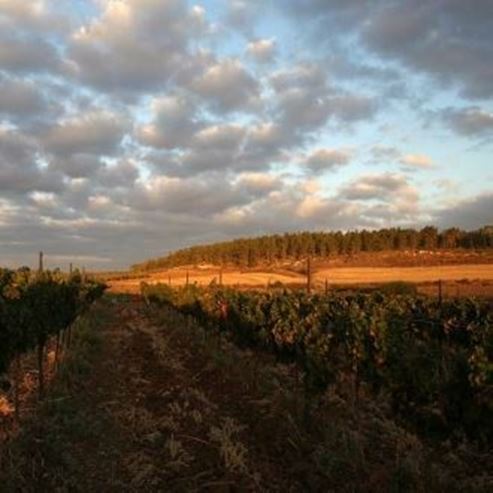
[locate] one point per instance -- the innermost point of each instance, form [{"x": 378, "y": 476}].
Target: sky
[{"x": 129, "y": 128}]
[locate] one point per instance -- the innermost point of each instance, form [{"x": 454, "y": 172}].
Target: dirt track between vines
[
  {"x": 159, "y": 405},
  {"x": 159, "y": 413}
]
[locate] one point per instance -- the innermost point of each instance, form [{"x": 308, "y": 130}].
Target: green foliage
[
  {"x": 249, "y": 252},
  {"x": 399, "y": 287},
  {"x": 34, "y": 307},
  {"x": 434, "y": 360}
]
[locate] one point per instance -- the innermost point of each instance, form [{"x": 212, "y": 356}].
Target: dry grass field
[
  {"x": 464, "y": 280},
  {"x": 358, "y": 275}
]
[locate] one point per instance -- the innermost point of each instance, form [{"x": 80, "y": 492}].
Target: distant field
[
  {"x": 409, "y": 274},
  {"x": 338, "y": 275}
]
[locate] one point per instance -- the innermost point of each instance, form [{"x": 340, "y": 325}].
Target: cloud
[
  {"x": 225, "y": 136},
  {"x": 434, "y": 38},
  {"x": 391, "y": 189},
  {"x": 27, "y": 55},
  {"x": 227, "y": 86},
  {"x": 259, "y": 183},
  {"x": 79, "y": 165},
  {"x": 313, "y": 206},
  {"x": 173, "y": 122},
  {"x": 303, "y": 75},
  {"x": 241, "y": 14},
  {"x": 470, "y": 122},
  {"x": 19, "y": 169},
  {"x": 463, "y": 38},
  {"x": 262, "y": 50},
  {"x": 306, "y": 102},
  {"x": 295, "y": 207},
  {"x": 94, "y": 132},
  {"x": 187, "y": 196},
  {"x": 123, "y": 174},
  {"x": 147, "y": 42},
  {"x": 384, "y": 153},
  {"x": 226, "y": 147},
  {"x": 21, "y": 99},
  {"x": 350, "y": 107},
  {"x": 473, "y": 212},
  {"x": 129, "y": 127},
  {"x": 322, "y": 160},
  {"x": 39, "y": 16},
  {"x": 416, "y": 161}
]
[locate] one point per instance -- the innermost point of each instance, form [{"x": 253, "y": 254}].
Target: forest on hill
[{"x": 250, "y": 252}]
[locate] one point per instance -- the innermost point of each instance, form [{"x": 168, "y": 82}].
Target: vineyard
[
  {"x": 35, "y": 307},
  {"x": 214, "y": 389},
  {"x": 433, "y": 360}
]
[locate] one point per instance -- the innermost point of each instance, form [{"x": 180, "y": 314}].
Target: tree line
[{"x": 250, "y": 252}]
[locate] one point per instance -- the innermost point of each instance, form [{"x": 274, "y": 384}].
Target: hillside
[{"x": 385, "y": 247}]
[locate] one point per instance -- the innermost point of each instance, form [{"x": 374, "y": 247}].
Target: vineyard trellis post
[
  {"x": 17, "y": 377},
  {"x": 221, "y": 276},
  {"x": 71, "y": 268},
  {"x": 41, "y": 379},
  {"x": 309, "y": 275},
  {"x": 187, "y": 278},
  {"x": 326, "y": 287},
  {"x": 440, "y": 292},
  {"x": 41, "y": 347}
]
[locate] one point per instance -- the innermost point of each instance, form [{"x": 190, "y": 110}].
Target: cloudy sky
[{"x": 132, "y": 127}]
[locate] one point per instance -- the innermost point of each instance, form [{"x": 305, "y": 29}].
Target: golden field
[{"x": 466, "y": 276}]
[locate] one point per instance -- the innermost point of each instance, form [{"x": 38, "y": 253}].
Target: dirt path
[{"x": 158, "y": 412}]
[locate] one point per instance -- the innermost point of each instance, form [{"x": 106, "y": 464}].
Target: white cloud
[
  {"x": 227, "y": 86},
  {"x": 173, "y": 122},
  {"x": 262, "y": 50},
  {"x": 258, "y": 183},
  {"x": 389, "y": 189},
  {"x": 19, "y": 98},
  {"x": 417, "y": 161},
  {"x": 470, "y": 121},
  {"x": 321, "y": 160},
  {"x": 94, "y": 132},
  {"x": 146, "y": 42}
]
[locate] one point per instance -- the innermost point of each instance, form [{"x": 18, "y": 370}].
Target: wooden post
[
  {"x": 18, "y": 372},
  {"x": 187, "y": 279},
  {"x": 169, "y": 279},
  {"x": 71, "y": 268},
  {"x": 41, "y": 379},
  {"x": 57, "y": 349},
  {"x": 221, "y": 277},
  {"x": 309, "y": 275},
  {"x": 440, "y": 292},
  {"x": 40, "y": 261},
  {"x": 326, "y": 287}
]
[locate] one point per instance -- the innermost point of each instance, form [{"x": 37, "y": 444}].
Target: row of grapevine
[
  {"x": 434, "y": 361},
  {"x": 36, "y": 306}
]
